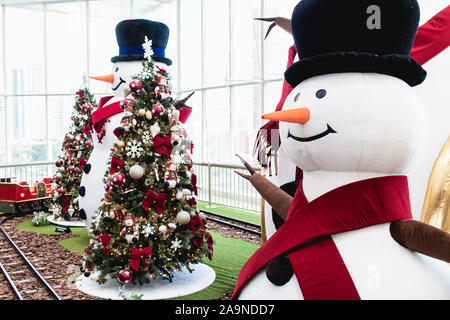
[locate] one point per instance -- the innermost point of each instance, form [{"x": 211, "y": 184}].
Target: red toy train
[{"x": 21, "y": 198}]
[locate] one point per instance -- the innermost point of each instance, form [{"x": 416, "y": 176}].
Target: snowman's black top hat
[
  {"x": 131, "y": 34},
  {"x": 335, "y": 36}
]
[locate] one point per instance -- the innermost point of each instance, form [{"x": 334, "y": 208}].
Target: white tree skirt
[
  {"x": 183, "y": 283},
  {"x": 64, "y": 223}
]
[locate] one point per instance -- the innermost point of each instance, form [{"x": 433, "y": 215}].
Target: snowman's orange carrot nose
[
  {"x": 108, "y": 78},
  {"x": 300, "y": 115}
]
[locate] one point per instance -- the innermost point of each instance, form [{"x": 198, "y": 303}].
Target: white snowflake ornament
[
  {"x": 148, "y": 230},
  {"x": 146, "y": 137},
  {"x": 134, "y": 149},
  {"x": 148, "y": 50},
  {"x": 176, "y": 244}
]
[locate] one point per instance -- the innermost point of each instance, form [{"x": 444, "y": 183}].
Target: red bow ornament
[
  {"x": 163, "y": 145},
  {"x": 192, "y": 202},
  {"x": 65, "y": 203},
  {"x": 138, "y": 255},
  {"x": 105, "y": 240},
  {"x": 116, "y": 165},
  {"x": 81, "y": 94},
  {"x": 210, "y": 241},
  {"x": 196, "y": 223},
  {"x": 82, "y": 163},
  {"x": 157, "y": 199},
  {"x": 194, "y": 183},
  {"x": 87, "y": 130}
]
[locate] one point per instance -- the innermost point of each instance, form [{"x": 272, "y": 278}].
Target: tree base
[
  {"x": 183, "y": 283},
  {"x": 64, "y": 223}
]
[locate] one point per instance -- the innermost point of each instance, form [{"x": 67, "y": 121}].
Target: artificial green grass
[
  {"x": 229, "y": 257},
  {"x": 244, "y": 215},
  {"x": 76, "y": 244},
  {"x": 28, "y": 225}
]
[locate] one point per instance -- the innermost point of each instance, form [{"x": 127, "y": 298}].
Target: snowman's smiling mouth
[
  {"x": 120, "y": 83},
  {"x": 317, "y": 136}
]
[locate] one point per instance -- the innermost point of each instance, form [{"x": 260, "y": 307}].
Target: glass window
[
  {"x": 66, "y": 46},
  {"x": 2, "y": 131},
  {"x": 277, "y": 44},
  {"x": 216, "y": 42},
  {"x": 166, "y": 13},
  {"x": 27, "y": 131},
  {"x": 103, "y": 18},
  {"x": 24, "y": 46},
  {"x": 272, "y": 95},
  {"x": 245, "y": 41},
  {"x": 2, "y": 89},
  {"x": 245, "y": 119},
  {"x": 191, "y": 45},
  {"x": 60, "y": 110},
  {"x": 217, "y": 146}
]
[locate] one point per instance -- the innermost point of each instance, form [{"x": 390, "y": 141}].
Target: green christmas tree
[
  {"x": 76, "y": 149},
  {"x": 148, "y": 225}
]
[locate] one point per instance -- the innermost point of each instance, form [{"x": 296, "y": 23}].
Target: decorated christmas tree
[
  {"x": 76, "y": 149},
  {"x": 148, "y": 225}
]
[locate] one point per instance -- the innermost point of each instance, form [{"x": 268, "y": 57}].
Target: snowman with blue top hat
[{"x": 138, "y": 40}]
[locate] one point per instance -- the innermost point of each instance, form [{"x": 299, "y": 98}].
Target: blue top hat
[{"x": 131, "y": 34}]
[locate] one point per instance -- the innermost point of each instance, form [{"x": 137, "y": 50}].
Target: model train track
[
  {"x": 22, "y": 276},
  {"x": 234, "y": 223}
]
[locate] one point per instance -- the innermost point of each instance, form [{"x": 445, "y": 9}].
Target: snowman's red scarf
[
  {"x": 306, "y": 234},
  {"x": 101, "y": 115}
]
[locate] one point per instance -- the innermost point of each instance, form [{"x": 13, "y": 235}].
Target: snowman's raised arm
[
  {"x": 422, "y": 238},
  {"x": 279, "y": 200},
  {"x": 283, "y": 23}
]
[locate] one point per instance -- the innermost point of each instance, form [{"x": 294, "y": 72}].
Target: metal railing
[
  {"x": 217, "y": 183},
  {"x": 29, "y": 172}
]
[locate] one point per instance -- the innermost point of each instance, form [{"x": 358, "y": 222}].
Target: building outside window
[{"x": 216, "y": 47}]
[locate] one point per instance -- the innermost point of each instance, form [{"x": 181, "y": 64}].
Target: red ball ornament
[
  {"x": 118, "y": 179},
  {"x": 88, "y": 143},
  {"x": 158, "y": 110},
  {"x": 59, "y": 163},
  {"x": 62, "y": 191},
  {"x": 135, "y": 85},
  {"x": 125, "y": 276},
  {"x": 72, "y": 118},
  {"x": 71, "y": 169}
]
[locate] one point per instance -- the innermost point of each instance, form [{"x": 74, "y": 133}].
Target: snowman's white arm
[{"x": 422, "y": 238}]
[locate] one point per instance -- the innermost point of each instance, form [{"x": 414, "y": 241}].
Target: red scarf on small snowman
[{"x": 101, "y": 115}]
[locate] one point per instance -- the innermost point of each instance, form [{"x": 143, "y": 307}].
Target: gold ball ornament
[
  {"x": 120, "y": 143},
  {"x": 141, "y": 112},
  {"x": 149, "y": 115}
]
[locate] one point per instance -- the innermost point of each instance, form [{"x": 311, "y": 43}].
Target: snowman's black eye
[
  {"x": 117, "y": 69},
  {"x": 321, "y": 93},
  {"x": 296, "y": 97}
]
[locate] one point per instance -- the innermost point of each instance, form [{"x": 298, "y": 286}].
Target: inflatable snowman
[
  {"x": 355, "y": 126},
  {"x": 430, "y": 41},
  {"x": 131, "y": 34}
]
